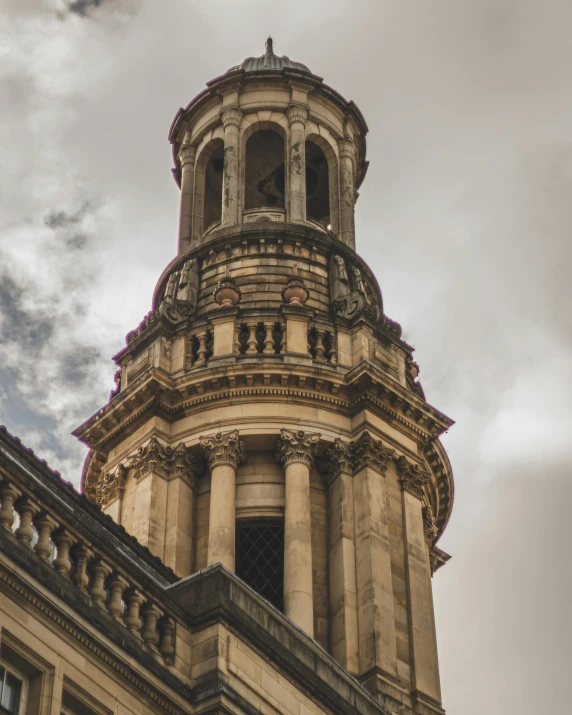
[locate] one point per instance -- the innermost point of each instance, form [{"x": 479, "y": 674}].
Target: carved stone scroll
[
  {"x": 110, "y": 486},
  {"x": 337, "y": 460},
  {"x": 430, "y": 529},
  {"x": 412, "y": 477},
  {"x": 370, "y": 452}
]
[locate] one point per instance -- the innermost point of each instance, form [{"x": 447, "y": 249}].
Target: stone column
[
  {"x": 296, "y": 451},
  {"x": 230, "y": 117},
  {"x": 424, "y": 665},
  {"x": 297, "y": 115},
  {"x": 347, "y": 192},
  {"x": 342, "y": 557},
  {"x": 376, "y": 618},
  {"x": 224, "y": 452},
  {"x": 187, "y": 161}
]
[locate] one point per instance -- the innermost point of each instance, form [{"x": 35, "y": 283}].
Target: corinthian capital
[
  {"x": 223, "y": 448},
  {"x": 297, "y": 113},
  {"x": 154, "y": 458},
  {"x": 337, "y": 460},
  {"x": 370, "y": 452},
  {"x": 412, "y": 477},
  {"x": 230, "y": 115},
  {"x": 296, "y": 447}
]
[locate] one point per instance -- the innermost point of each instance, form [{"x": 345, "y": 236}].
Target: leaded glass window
[{"x": 260, "y": 558}]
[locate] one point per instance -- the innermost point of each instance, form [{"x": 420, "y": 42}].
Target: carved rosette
[
  {"x": 111, "y": 486},
  {"x": 370, "y": 452},
  {"x": 430, "y": 529},
  {"x": 297, "y": 447},
  {"x": 337, "y": 460},
  {"x": 412, "y": 477},
  {"x": 223, "y": 448}
]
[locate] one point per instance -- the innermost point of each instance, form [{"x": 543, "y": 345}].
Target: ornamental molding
[
  {"x": 223, "y": 448},
  {"x": 297, "y": 447},
  {"x": 111, "y": 486},
  {"x": 372, "y": 453},
  {"x": 166, "y": 462},
  {"x": 412, "y": 477},
  {"x": 430, "y": 529}
]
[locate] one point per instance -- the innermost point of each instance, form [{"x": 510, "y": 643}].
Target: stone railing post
[
  {"x": 230, "y": 118},
  {"x": 27, "y": 510},
  {"x": 297, "y": 115},
  {"x": 224, "y": 452},
  {"x": 187, "y": 161},
  {"x": 44, "y": 526},
  {"x": 296, "y": 451},
  {"x": 8, "y": 495},
  {"x": 134, "y": 600}
]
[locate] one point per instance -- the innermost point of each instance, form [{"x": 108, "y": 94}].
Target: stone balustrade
[{"x": 89, "y": 569}]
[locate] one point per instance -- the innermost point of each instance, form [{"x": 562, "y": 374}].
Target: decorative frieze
[
  {"x": 430, "y": 529},
  {"x": 223, "y": 448},
  {"x": 111, "y": 486},
  {"x": 297, "y": 447},
  {"x": 370, "y": 452},
  {"x": 412, "y": 477}
]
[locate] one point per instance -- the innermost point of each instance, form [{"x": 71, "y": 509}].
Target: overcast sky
[{"x": 465, "y": 217}]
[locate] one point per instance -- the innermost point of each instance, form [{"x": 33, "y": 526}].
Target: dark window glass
[
  {"x": 260, "y": 558},
  {"x": 10, "y": 693}
]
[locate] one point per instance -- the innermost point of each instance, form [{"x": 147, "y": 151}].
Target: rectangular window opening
[{"x": 260, "y": 558}]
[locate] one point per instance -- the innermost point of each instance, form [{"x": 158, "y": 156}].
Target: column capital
[
  {"x": 412, "y": 477},
  {"x": 297, "y": 447},
  {"x": 110, "y": 486},
  {"x": 186, "y": 154},
  {"x": 223, "y": 448},
  {"x": 230, "y": 116},
  {"x": 297, "y": 113},
  {"x": 337, "y": 460},
  {"x": 370, "y": 452},
  {"x": 346, "y": 147},
  {"x": 430, "y": 529}
]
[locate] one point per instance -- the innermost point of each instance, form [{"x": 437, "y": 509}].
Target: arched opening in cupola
[
  {"x": 317, "y": 185},
  {"x": 213, "y": 185},
  {"x": 265, "y": 180}
]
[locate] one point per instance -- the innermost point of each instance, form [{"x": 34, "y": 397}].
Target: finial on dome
[{"x": 268, "y": 46}]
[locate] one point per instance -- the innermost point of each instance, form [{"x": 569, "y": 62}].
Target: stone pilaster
[
  {"x": 342, "y": 556},
  {"x": 187, "y": 161},
  {"x": 347, "y": 192},
  {"x": 230, "y": 118},
  {"x": 297, "y": 115},
  {"x": 424, "y": 666},
  {"x": 296, "y": 451},
  {"x": 224, "y": 452},
  {"x": 376, "y": 617}
]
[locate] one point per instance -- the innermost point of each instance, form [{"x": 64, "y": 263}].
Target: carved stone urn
[
  {"x": 226, "y": 292},
  {"x": 295, "y": 292}
]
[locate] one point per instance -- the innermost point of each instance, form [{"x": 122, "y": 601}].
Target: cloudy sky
[{"x": 465, "y": 216}]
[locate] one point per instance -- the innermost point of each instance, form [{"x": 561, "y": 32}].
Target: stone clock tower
[{"x": 267, "y": 414}]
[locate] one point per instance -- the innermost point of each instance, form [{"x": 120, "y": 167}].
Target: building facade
[{"x": 265, "y": 488}]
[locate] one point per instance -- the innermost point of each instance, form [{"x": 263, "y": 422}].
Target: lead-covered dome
[{"x": 269, "y": 62}]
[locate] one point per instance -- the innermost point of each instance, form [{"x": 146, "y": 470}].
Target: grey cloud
[{"x": 84, "y": 7}]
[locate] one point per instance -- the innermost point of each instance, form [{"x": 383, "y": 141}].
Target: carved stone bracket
[
  {"x": 297, "y": 447},
  {"x": 370, "y": 452},
  {"x": 430, "y": 529},
  {"x": 412, "y": 477},
  {"x": 223, "y": 448},
  {"x": 111, "y": 486}
]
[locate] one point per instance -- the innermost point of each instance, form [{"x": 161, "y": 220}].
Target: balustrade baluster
[
  {"x": 117, "y": 586},
  {"x": 333, "y": 353},
  {"x": 63, "y": 541},
  {"x": 202, "y": 351},
  {"x": 167, "y": 646},
  {"x": 8, "y": 495},
  {"x": 151, "y": 615},
  {"x": 132, "y": 620},
  {"x": 269, "y": 339},
  {"x": 320, "y": 351},
  {"x": 252, "y": 342},
  {"x": 100, "y": 571},
  {"x": 45, "y": 525},
  {"x": 81, "y": 555},
  {"x": 27, "y": 510}
]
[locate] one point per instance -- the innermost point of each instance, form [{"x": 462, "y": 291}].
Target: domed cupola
[{"x": 269, "y": 62}]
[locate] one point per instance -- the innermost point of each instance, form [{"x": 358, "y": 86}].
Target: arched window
[
  {"x": 264, "y": 172},
  {"x": 317, "y": 185},
  {"x": 213, "y": 186}
]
